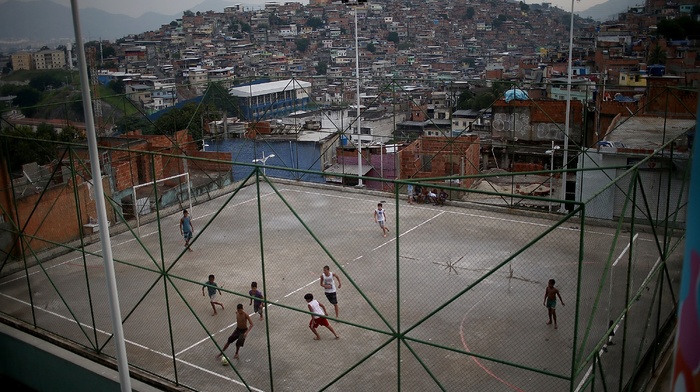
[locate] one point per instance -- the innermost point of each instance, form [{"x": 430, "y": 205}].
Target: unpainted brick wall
[
  {"x": 442, "y": 163},
  {"x": 56, "y": 218}
]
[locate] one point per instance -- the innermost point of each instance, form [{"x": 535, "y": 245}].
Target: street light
[
  {"x": 551, "y": 167},
  {"x": 357, "y": 93},
  {"x": 263, "y": 160},
  {"x": 562, "y": 208}
]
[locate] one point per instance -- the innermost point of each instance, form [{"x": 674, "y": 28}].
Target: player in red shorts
[{"x": 318, "y": 311}]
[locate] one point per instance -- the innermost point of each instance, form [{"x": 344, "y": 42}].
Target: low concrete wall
[{"x": 43, "y": 366}]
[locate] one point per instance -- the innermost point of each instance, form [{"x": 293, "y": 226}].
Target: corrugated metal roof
[
  {"x": 347, "y": 169},
  {"x": 269, "y": 88}
]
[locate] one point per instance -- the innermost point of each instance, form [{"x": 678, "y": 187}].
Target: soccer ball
[{"x": 224, "y": 361}]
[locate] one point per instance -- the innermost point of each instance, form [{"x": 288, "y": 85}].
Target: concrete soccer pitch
[{"x": 451, "y": 271}]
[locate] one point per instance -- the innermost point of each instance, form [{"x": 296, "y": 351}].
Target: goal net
[{"x": 163, "y": 193}]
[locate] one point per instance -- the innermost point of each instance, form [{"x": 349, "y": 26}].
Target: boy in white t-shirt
[
  {"x": 318, "y": 311},
  {"x": 380, "y": 217}
]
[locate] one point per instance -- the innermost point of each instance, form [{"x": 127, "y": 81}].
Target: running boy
[
  {"x": 254, "y": 292},
  {"x": 318, "y": 311},
  {"x": 243, "y": 325},
  {"x": 186, "y": 228},
  {"x": 212, "y": 288},
  {"x": 329, "y": 287},
  {"x": 380, "y": 217},
  {"x": 550, "y": 301}
]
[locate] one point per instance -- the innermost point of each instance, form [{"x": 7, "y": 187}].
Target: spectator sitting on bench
[
  {"x": 432, "y": 197},
  {"x": 442, "y": 196},
  {"x": 420, "y": 194}
]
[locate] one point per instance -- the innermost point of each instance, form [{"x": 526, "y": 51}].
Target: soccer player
[
  {"x": 318, "y": 311},
  {"x": 550, "y": 301},
  {"x": 380, "y": 217}
]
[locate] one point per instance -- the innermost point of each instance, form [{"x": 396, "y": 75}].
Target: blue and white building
[{"x": 272, "y": 99}]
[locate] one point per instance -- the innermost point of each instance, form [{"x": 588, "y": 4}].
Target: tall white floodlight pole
[
  {"x": 551, "y": 167},
  {"x": 264, "y": 160},
  {"x": 562, "y": 208},
  {"x": 122, "y": 362},
  {"x": 360, "y": 173}
]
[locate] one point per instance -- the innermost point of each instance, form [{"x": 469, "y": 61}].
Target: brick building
[{"x": 47, "y": 210}]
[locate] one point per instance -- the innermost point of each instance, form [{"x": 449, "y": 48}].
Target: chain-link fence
[{"x": 451, "y": 296}]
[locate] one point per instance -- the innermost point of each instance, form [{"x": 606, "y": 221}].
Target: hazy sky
[{"x": 170, "y": 7}]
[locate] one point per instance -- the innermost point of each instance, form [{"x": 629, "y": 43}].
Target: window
[{"x": 426, "y": 162}]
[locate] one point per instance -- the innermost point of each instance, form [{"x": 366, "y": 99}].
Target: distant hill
[
  {"x": 609, "y": 9},
  {"x": 219, "y": 5},
  {"x": 46, "y": 20}
]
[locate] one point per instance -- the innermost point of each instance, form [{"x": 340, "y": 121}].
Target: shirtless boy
[
  {"x": 550, "y": 301},
  {"x": 243, "y": 325}
]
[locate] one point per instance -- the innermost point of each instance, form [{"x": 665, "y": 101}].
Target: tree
[
  {"x": 27, "y": 148},
  {"x": 393, "y": 37},
  {"x": 524, "y": 7},
  {"x": 302, "y": 44},
  {"x": 670, "y": 29},
  {"x": 26, "y": 99},
  {"x": 245, "y": 27},
  {"x": 133, "y": 123},
  {"x": 483, "y": 101},
  {"x": 117, "y": 86},
  {"x": 188, "y": 117},
  {"x": 217, "y": 98},
  {"x": 657, "y": 56},
  {"x": 46, "y": 132},
  {"x": 108, "y": 51},
  {"x": 498, "y": 21},
  {"x": 321, "y": 68},
  {"x": 188, "y": 13},
  {"x": 76, "y": 105},
  {"x": 371, "y": 48},
  {"x": 676, "y": 29},
  {"x": 464, "y": 101},
  {"x": 469, "y": 14},
  {"x": 314, "y": 22},
  {"x": 274, "y": 20},
  {"x": 45, "y": 81},
  {"x": 498, "y": 87},
  {"x": 469, "y": 61},
  {"x": 69, "y": 134}
]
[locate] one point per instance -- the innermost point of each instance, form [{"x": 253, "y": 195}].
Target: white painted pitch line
[
  {"x": 233, "y": 205},
  {"x": 409, "y": 230},
  {"x": 217, "y": 374},
  {"x": 269, "y": 305},
  {"x": 39, "y": 270},
  {"x": 602, "y": 351},
  {"x": 590, "y": 368},
  {"x": 212, "y": 335},
  {"x": 468, "y": 214},
  {"x": 82, "y": 324},
  {"x": 626, "y": 249},
  {"x": 168, "y": 356},
  {"x": 301, "y": 288}
]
